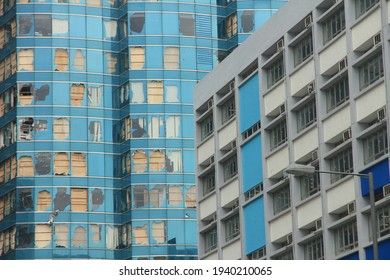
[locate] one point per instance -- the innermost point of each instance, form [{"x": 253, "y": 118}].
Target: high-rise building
[
  {"x": 308, "y": 90},
  {"x": 96, "y": 122}
]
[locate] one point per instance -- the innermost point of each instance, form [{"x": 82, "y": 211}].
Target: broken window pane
[
  {"x": 95, "y": 96},
  {"x": 61, "y": 128},
  {"x": 171, "y": 58},
  {"x": 26, "y": 200},
  {"x": 157, "y": 161},
  {"x": 140, "y": 196},
  {"x": 95, "y": 131},
  {"x": 122, "y": 27},
  {"x": 110, "y": 27},
  {"x": 137, "y": 57},
  {"x": 187, "y": 24},
  {"x": 112, "y": 237},
  {"x": 141, "y": 235},
  {"x": 26, "y": 166},
  {"x": 156, "y": 127},
  {"x": 8, "y": 67},
  {"x": 2, "y": 39},
  {"x": 175, "y": 195},
  {"x": 124, "y": 94},
  {"x": 112, "y": 62},
  {"x": 77, "y": 94},
  {"x": 247, "y": 21},
  {"x": 97, "y": 198},
  {"x": 158, "y": 232},
  {"x": 137, "y": 128},
  {"x": 231, "y": 25},
  {"x": 173, "y": 127},
  {"x": 96, "y": 233},
  {"x": 191, "y": 197},
  {"x": 25, "y": 24},
  {"x": 43, "y": 163},
  {"x": 172, "y": 94},
  {"x": 96, "y": 3},
  {"x": 60, "y": 26},
  {"x": 42, "y": 92},
  {"x": 7, "y": 32},
  {"x": 61, "y": 164},
  {"x": 79, "y": 164},
  {"x": 175, "y": 161},
  {"x": 157, "y": 196},
  {"x": 79, "y": 60},
  {"x": 61, "y": 235},
  {"x": 26, "y": 60},
  {"x": 79, "y": 200},
  {"x": 26, "y": 94},
  {"x": 42, "y": 235},
  {"x": 137, "y": 22},
  {"x": 155, "y": 92},
  {"x": 44, "y": 201},
  {"x": 2, "y": 67},
  {"x": 13, "y": 63},
  {"x": 62, "y": 199},
  {"x": 1, "y": 208},
  {"x": 137, "y": 90},
  {"x": 42, "y": 25},
  {"x": 61, "y": 59},
  {"x": 124, "y": 60},
  {"x": 26, "y": 129},
  {"x": 79, "y": 237},
  {"x": 140, "y": 162},
  {"x": 24, "y": 236}
]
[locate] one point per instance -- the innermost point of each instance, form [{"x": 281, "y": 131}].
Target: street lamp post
[{"x": 301, "y": 170}]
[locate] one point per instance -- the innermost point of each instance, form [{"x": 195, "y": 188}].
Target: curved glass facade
[{"x": 96, "y": 126}]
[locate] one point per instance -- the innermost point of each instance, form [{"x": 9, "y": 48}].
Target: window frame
[
  {"x": 281, "y": 199},
  {"x": 333, "y": 25},
  {"x": 278, "y": 134},
  {"x": 306, "y": 115},
  {"x": 341, "y": 162},
  {"x": 375, "y": 145},
  {"x": 303, "y": 50},
  {"x": 232, "y": 227},
  {"x": 314, "y": 249},
  {"x": 346, "y": 237},
  {"x": 207, "y": 127},
  {"x": 210, "y": 240},
  {"x": 230, "y": 168},
  {"x": 371, "y": 71},
  {"x": 363, "y": 6},
  {"x": 337, "y": 94},
  {"x": 228, "y": 110},
  {"x": 275, "y": 72}
]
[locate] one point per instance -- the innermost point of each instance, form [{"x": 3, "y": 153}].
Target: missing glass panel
[
  {"x": 77, "y": 94},
  {"x": 140, "y": 196},
  {"x": 137, "y": 22},
  {"x": 157, "y": 196},
  {"x": 79, "y": 164},
  {"x": 247, "y": 21},
  {"x": 187, "y": 24},
  {"x": 140, "y": 162},
  {"x": 96, "y": 3},
  {"x": 191, "y": 197},
  {"x": 79, "y": 200},
  {"x": 26, "y": 200},
  {"x": 79, "y": 238},
  {"x": 155, "y": 92},
  {"x": 25, "y": 24},
  {"x": 61, "y": 232},
  {"x": 137, "y": 90},
  {"x": 95, "y": 96},
  {"x": 43, "y": 25},
  {"x": 141, "y": 235},
  {"x": 110, "y": 27},
  {"x": 42, "y": 92},
  {"x": 61, "y": 164},
  {"x": 25, "y": 236},
  {"x": 26, "y": 127},
  {"x": 61, "y": 128},
  {"x": 26, "y": 60},
  {"x": 44, "y": 201},
  {"x": 137, "y": 128},
  {"x": 112, "y": 62},
  {"x": 61, "y": 59},
  {"x": 171, "y": 58},
  {"x": 61, "y": 200},
  {"x": 173, "y": 127},
  {"x": 157, "y": 161},
  {"x": 96, "y": 233},
  {"x": 158, "y": 232},
  {"x": 97, "y": 198},
  {"x": 172, "y": 94},
  {"x": 174, "y": 162},
  {"x": 95, "y": 131},
  {"x": 43, "y": 163},
  {"x": 79, "y": 60},
  {"x": 60, "y": 26},
  {"x": 156, "y": 127},
  {"x": 25, "y": 166},
  {"x": 137, "y": 57},
  {"x": 175, "y": 195},
  {"x": 26, "y": 94},
  {"x": 42, "y": 235}
]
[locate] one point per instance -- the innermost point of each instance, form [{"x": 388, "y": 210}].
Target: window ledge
[
  {"x": 204, "y": 140},
  {"x": 301, "y": 64},
  {"x": 336, "y": 109},
  {"x": 342, "y": 221},
  {"x": 275, "y": 85},
  {"x": 346, "y": 253},
  {"x": 278, "y": 215},
  {"x": 305, "y": 130},
  {"x": 342, "y": 180},
  {"x": 227, "y": 122},
  {"x": 210, "y": 253},
  {"x": 309, "y": 237},
  {"x": 371, "y": 86},
  {"x": 248, "y": 139},
  {"x": 309, "y": 198},
  {"x": 227, "y": 243},
  {"x": 228, "y": 181},
  {"x": 277, "y": 149},
  {"x": 332, "y": 41},
  {"x": 204, "y": 197}
]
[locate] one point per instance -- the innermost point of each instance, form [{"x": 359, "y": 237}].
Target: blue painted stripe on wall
[
  {"x": 254, "y": 225},
  {"x": 252, "y": 166},
  {"x": 249, "y": 103},
  {"x": 381, "y": 175}
]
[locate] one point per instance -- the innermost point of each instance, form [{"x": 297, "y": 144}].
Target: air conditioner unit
[
  {"x": 210, "y": 103},
  {"x": 351, "y": 207},
  {"x": 235, "y": 205},
  {"x": 280, "y": 45},
  {"x": 377, "y": 39},
  {"x": 311, "y": 88},
  {"x": 347, "y": 135},
  {"x": 282, "y": 108},
  {"x": 308, "y": 21},
  {"x": 318, "y": 224},
  {"x": 381, "y": 114},
  {"x": 231, "y": 86},
  {"x": 343, "y": 64},
  {"x": 386, "y": 190},
  {"x": 289, "y": 239},
  {"x": 314, "y": 155},
  {"x": 213, "y": 218},
  {"x": 211, "y": 160},
  {"x": 234, "y": 144}
]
